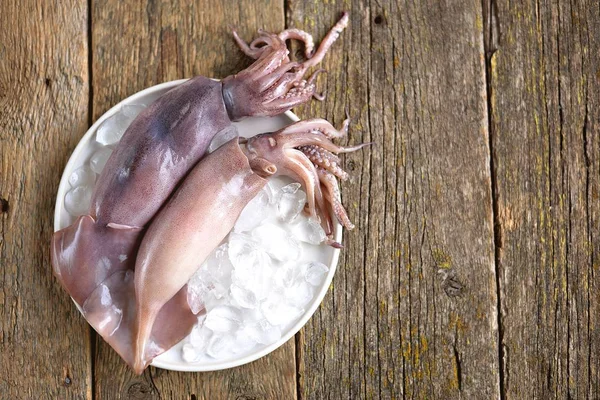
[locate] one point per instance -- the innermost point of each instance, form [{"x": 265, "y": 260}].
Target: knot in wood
[
  {"x": 247, "y": 397},
  {"x": 450, "y": 282},
  {"x": 140, "y": 390}
]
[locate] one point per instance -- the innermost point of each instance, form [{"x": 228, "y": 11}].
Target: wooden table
[{"x": 474, "y": 270}]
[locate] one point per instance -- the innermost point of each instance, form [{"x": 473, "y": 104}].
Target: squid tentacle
[
  {"x": 332, "y": 195},
  {"x": 251, "y": 50},
  {"x": 284, "y": 88},
  {"x": 325, "y": 160},
  {"x": 326, "y": 43},
  {"x": 314, "y": 75},
  {"x": 322, "y": 126},
  {"x": 320, "y": 96},
  {"x": 298, "y": 94},
  {"x": 319, "y": 139},
  {"x": 296, "y": 170},
  {"x": 268, "y": 61},
  {"x": 298, "y": 34},
  {"x": 312, "y": 79},
  {"x": 314, "y": 195},
  {"x": 280, "y": 73},
  {"x": 265, "y": 88}
]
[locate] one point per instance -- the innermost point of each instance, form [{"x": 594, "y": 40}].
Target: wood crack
[
  {"x": 457, "y": 361},
  {"x": 589, "y": 212},
  {"x": 491, "y": 36},
  {"x": 368, "y": 230},
  {"x": 92, "y": 337},
  {"x": 588, "y": 165},
  {"x": 4, "y": 206}
]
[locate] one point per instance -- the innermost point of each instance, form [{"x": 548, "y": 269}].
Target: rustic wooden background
[{"x": 474, "y": 271}]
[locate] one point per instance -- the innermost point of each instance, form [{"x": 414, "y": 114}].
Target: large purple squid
[{"x": 96, "y": 258}]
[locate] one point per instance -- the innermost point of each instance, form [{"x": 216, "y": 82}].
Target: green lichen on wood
[{"x": 442, "y": 260}]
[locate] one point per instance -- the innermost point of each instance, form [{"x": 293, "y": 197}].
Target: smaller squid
[{"x": 199, "y": 216}]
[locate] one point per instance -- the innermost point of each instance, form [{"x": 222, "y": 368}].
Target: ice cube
[
  {"x": 99, "y": 159},
  {"x": 254, "y": 213},
  {"x": 299, "y": 294},
  {"x": 290, "y": 274},
  {"x": 254, "y": 278},
  {"x": 212, "y": 278},
  {"x": 252, "y": 265},
  {"x": 308, "y": 230},
  {"x": 200, "y": 337},
  {"x": 111, "y": 130},
  {"x": 291, "y": 201},
  {"x": 216, "y": 271},
  {"x": 245, "y": 298},
  {"x": 242, "y": 342},
  {"x": 78, "y": 199},
  {"x": 291, "y": 188},
  {"x": 201, "y": 319},
  {"x": 277, "y": 311},
  {"x": 291, "y": 279},
  {"x": 223, "y": 137},
  {"x": 197, "y": 292},
  {"x": 316, "y": 273},
  {"x": 190, "y": 353},
  {"x": 219, "y": 346},
  {"x": 131, "y": 111},
  {"x": 263, "y": 332},
  {"x": 211, "y": 301},
  {"x": 82, "y": 176},
  {"x": 223, "y": 319},
  {"x": 245, "y": 252},
  {"x": 251, "y": 316},
  {"x": 277, "y": 242},
  {"x": 271, "y": 189}
]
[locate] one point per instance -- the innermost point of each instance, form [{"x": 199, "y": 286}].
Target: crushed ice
[{"x": 267, "y": 285}]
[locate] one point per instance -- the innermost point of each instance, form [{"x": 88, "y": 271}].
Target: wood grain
[
  {"x": 546, "y": 144},
  {"x": 412, "y": 310},
  {"x": 456, "y": 212},
  {"x": 44, "y": 342},
  {"x": 160, "y": 41}
]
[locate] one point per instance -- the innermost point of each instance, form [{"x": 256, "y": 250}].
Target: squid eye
[{"x": 272, "y": 142}]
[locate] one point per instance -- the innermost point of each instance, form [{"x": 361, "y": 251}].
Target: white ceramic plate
[{"x": 251, "y": 126}]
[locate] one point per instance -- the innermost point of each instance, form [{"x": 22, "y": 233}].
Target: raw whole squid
[
  {"x": 95, "y": 257},
  {"x": 189, "y": 226}
]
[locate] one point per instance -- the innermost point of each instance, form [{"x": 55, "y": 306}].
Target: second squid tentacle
[{"x": 305, "y": 152}]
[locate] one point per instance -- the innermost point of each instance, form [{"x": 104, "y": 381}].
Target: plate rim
[{"x": 64, "y": 186}]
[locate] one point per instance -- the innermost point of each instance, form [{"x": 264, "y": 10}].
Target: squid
[{"x": 97, "y": 259}]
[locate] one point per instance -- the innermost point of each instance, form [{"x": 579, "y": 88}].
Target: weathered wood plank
[
  {"x": 44, "y": 343},
  {"x": 544, "y": 99},
  {"x": 157, "y": 42},
  {"x": 412, "y": 311}
]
